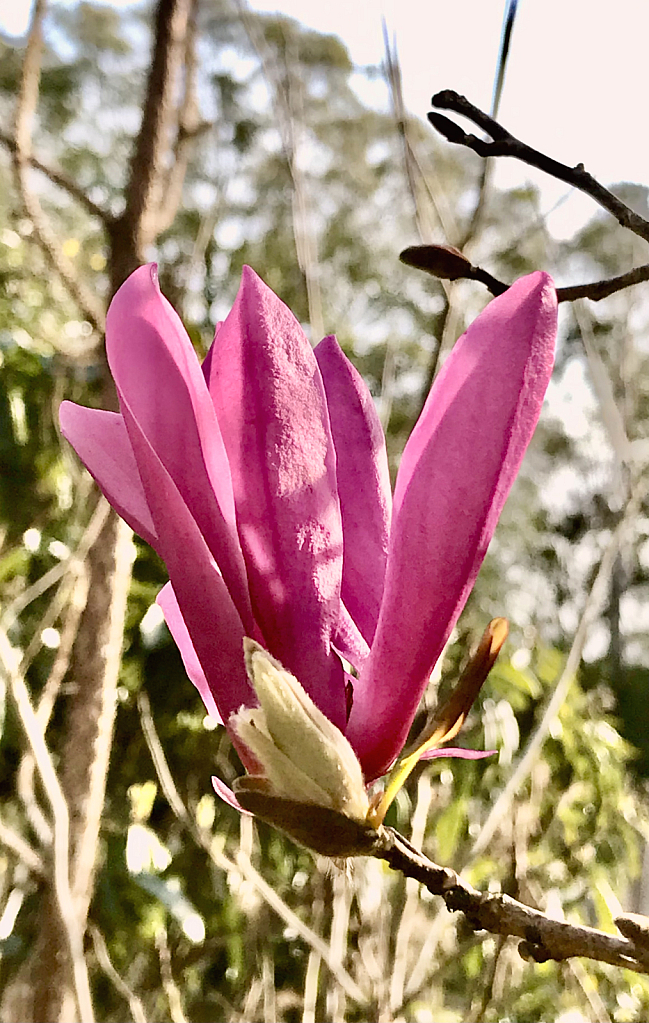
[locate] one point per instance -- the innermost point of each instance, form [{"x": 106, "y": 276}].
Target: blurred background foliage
[{"x": 295, "y": 174}]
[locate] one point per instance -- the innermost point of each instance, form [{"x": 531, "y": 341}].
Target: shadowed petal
[
  {"x": 363, "y": 484},
  {"x": 348, "y": 641},
  {"x": 159, "y": 380},
  {"x": 166, "y": 600},
  {"x": 455, "y": 474},
  {"x": 270, "y": 402},
  {"x": 101, "y": 441}
]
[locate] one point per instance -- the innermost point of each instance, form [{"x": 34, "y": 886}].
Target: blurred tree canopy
[{"x": 268, "y": 155}]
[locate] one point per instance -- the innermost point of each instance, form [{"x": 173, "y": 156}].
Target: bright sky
[{"x": 577, "y": 80}]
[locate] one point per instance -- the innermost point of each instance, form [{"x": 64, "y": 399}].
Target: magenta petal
[
  {"x": 454, "y": 477},
  {"x": 363, "y": 484},
  {"x": 166, "y": 600},
  {"x": 348, "y": 641},
  {"x": 270, "y": 402},
  {"x": 206, "y": 607},
  {"x": 463, "y": 754},
  {"x": 101, "y": 442},
  {"x": 159, "y": 380},
  {"x": 227, "y": 795}
]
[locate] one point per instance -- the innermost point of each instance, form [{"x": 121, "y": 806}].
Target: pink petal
[
  {"x": 455, "y": 474},
  {"x": 463, "y": 754},
  {"x": 204, "y": 603},
  {"x": 166, "y": 600},
  {"x": 227, "y": 795},
  {"x": 363, "y": 484},
  {"x": 101, "y": 442},
  {"x": 348, "y": 641},
  {"x": 269, "y": 399},
  {"x": 159, "y": 380}
]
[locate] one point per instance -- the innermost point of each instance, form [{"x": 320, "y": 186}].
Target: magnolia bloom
[{"x": 261, "y": 478}]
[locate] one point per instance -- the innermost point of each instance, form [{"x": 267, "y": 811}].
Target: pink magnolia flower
[{"x": 261, "y": 478}]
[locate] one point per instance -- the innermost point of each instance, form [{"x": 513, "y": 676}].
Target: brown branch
[
  {"x": 447, "y": 263},
  {"x": 543, "y": 938},
  {"x": 598, "y": 290},
  {"x": 189, "y": 127},
  {"x": 505, "y": 144},
  {"x": 60, "y": 179},
  {"x": 91, "y": 308},
  {"x": 136, "y": 227}
]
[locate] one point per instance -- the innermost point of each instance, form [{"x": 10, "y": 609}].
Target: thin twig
[
  {"x": 505, "y": 144},
  {"x": 61, "y": 180},
  {"x": 26, "y": 105},
  {"x": 339, "y": 941},
  {"x": 401, "y": 961},
  {"x": 597, "y": 290},
  {"x": 434, "y": 260},
  {"x": 104, "y": 960},
  {"x": 171, "y": 989},
  {"x": 188, "y": 129},
  {"x": 16, "y": 844},
  {"x": 73, "y": 591},
  {"x": 242, "y": 865},
  {"x": 60, "y": 816},
  {"x": 283, "y": 98}
]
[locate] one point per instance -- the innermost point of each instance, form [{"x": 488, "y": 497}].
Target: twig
[
  {"x": 23, "y": 850},
  {"x": 61, "y": 180},
  {"x": 505, "y": 144},
  {"x": 436, "y": 261},
  {"x": 401, "y": 962},
  {"x": 312, "y": 974},
  {"x": 74, "y": 592},
  {"x": 413, "y": 173},
  {"x": 242, "y": 865},
  {"x": 339, "y": 940},
  {"x": 103, "y": 958},
  {"x": 543, "y": 937},
  {"x": 61, "y": 820},
  {"x": 171, "y": 990},
  {"x": 597, "y": 290},
  {"x": 189, "y": 128},
  {"x": 144, "y": 192},
  {"x": 91, "y": 308},
  {"x": 283, "y": 97}
]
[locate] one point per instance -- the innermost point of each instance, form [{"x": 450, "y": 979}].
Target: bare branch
[
  {"x": 145, "y": 189},
  {"x": 103, "y": 958},
  {"x": 61, "y": 819},
  {"x": 598, "y": 290},
  {"x": 91, "y": 308},
  {"x": 543, "y": 937},
  {"x": 447, "y": 263},
  {"x": 60, "y": 179},
  {"x": 504, "y": 144},
  {"x": 174, "y": 999},
  {"x": 189, "y": 127},
  {"x": 16, "y": 844}
]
